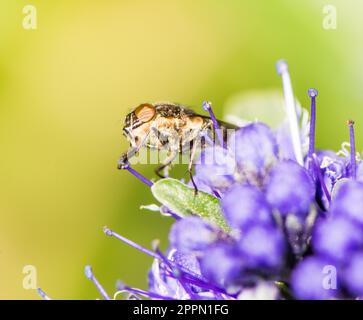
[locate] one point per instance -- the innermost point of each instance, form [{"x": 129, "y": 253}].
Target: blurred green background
[{"x": 66, "y": 86}]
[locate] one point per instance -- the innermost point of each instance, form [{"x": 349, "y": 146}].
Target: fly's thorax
[
  {"x": 165, "y": 132},
  {"x": 170, "y": 110}
]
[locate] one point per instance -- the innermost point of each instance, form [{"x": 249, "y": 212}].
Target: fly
[{"x": 170, "y": 127}]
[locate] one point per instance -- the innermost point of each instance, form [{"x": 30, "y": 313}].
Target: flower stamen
[
  {"x": 89, "y": 274},
  {"x": 207, "y": 106},
  {"x": 137, "y": 175},
  {"x": 352, "y": 150},
  {"x": 320, "y": 177},
  {"x": 312, "y": 94},
  {"x": 43, "y": 294},
  {"x": 111, "y": 233},
  {"x": 176, "y": 272},
  {"x": 283, "y": 71},
  {"x": 120, "y": 286}
]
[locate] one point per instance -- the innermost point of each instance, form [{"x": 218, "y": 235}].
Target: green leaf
[{"x": 182, "y": 200}]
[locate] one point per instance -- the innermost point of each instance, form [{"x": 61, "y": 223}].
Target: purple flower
[
  {"x": 218, "y": 161},
  {"x": 314, "y": 279},
  {"x": 283, "y": 138},
  {"x": 354, "y": 275},
  {"x": 221, "y": 264},
  {"x": 191, "y": 234},
  {"x": 334, "y": 167},
  {"x": 290, "y": 189},
  {"x": 291, "y": 227},
  {"x": 255, "y": 148},
  {"x": 245, "y": 204},
  {"x": 263, "y": 247},
  {"x": 262, "y": 290},
  {"x": 162, "y": 282},
  {"x": 360, "y": 171},
  {"x": 337, "y": 237},
  {"x": 185, "y": 261},
  {"x": 349, "y": 201}
]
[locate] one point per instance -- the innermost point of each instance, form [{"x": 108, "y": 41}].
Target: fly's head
[{"x": 138, "y": 123}]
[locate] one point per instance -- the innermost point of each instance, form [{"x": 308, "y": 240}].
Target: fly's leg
[
  {"x": 193, "y": 182},
  {"x": 124, "y": 159},
  {"x": 166, "y": 163},
  {"x": 167, "y": 141},
  {"x": 190, "y": 166},
  {"x": 134, "y": 148}
]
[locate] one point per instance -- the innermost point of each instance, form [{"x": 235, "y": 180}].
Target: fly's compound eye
[{"x": 145, "y": 112}]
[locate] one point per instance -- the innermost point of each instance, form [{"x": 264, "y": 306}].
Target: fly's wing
[
  {"x": 167, "y": 109},
  {"x": 222, "y": 124},
  {"x": 227, "y": 125},
  {"x": 174, "y": 108},
  {"x": 226, "y": 128}
]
